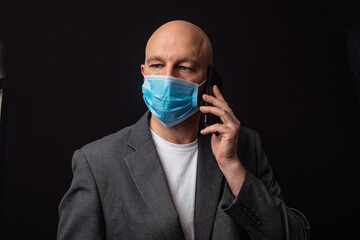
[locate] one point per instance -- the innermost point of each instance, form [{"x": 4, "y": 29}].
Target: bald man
[{"x": 167, "y": 177}]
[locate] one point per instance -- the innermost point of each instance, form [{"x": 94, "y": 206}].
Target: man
[{"x": 163, "y": 177}]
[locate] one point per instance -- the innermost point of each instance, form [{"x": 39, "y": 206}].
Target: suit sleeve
[
  {"x": 259, "y": 208},
  {"x": 80, "y": 210}
]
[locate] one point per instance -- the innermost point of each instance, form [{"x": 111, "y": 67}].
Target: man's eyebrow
[
  {"x": 152, "y": 59},
  {"x": 187, "y": 59},
  {"x": 181, "y": 60}
]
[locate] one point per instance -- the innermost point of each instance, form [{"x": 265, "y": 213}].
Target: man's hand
[{"x": 224, "y": 145}]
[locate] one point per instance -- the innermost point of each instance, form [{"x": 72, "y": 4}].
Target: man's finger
[
  {"x": 215, "y": 128},
  {"x": 216, "y": 102},
  {"x": 224, "y": 115},
  {"x": 217, "y": 93},
  {"x": 212, "y": 100},
  {"x": 219, "y": 101}
]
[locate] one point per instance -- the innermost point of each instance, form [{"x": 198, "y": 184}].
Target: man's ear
[{"x": 142, "y": 67}]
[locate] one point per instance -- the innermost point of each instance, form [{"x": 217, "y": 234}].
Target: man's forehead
[
  {"x": 175, "y": 51},
  {"x": 174, "y": 41}
]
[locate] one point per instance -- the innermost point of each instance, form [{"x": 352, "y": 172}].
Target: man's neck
[{"x": 182, "y": 133}]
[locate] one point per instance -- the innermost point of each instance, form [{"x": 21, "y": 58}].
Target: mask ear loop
[
  {"x": 202, "y": 102},
  {"x": 203, "y": 82}
]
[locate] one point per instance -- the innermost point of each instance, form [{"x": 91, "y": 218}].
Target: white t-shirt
[{"x": 179, "y": 162}]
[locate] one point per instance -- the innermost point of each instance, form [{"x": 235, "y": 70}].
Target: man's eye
[
  {"x": 155, "y": 65},
  {"x": 184, "y": 68}
]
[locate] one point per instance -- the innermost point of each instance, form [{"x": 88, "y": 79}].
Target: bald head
[
  {"x": 180, "y": 49},
  {"x": 179, "y": 32}
]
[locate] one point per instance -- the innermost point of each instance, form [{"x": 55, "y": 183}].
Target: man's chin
[{"x": 192, "y": 121}]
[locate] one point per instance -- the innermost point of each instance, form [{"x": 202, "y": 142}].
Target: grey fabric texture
[{"x": 119, "y": 191}]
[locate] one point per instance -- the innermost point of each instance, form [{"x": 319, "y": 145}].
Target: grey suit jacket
[{"x": 119, "y": 191}]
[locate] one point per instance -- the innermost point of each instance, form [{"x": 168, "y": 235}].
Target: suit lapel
[
  {"x": 208, "y": 187},
  {"x": 146, "y": 170}
]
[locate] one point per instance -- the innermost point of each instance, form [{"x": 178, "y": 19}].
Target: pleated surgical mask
[{"x": 170, "y": 99}]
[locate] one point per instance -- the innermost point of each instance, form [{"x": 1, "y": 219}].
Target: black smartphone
[{"x": 213, "y": 78}]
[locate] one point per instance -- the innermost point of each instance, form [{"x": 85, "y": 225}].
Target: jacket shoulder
[{"x": 114, "y": 144}]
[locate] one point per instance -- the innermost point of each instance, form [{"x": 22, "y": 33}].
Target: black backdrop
[{"x": 73, "y": 75}]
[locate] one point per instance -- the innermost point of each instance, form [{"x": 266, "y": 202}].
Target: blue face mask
[{"x": 170, "y": 99}]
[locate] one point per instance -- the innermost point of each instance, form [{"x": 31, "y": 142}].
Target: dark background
[{"x": 73, "y": 76}]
